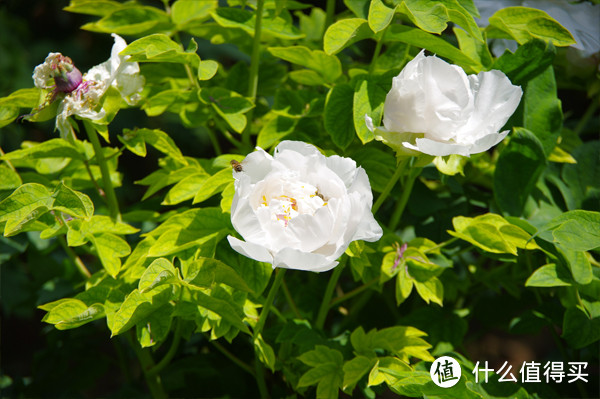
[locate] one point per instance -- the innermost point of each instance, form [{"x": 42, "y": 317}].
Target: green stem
[
  {"x": 353, "y": 293},
  {"x": 589, "y": 112},
  {"x": 378, "y": 47},
  {"x": 390, "y": 185},
  {"x": 74, "y": 258},
  {"x": 279, "y": 273},
  {"x": 232, "y": 357},
  {"x": 326, "y": 302},
  {"x": 153, "y": 381},
  {"x": 254, "y": 64},
  {"x": 329, "y": 13},
  {"x": 214, "y": 142},
  {"x": 113, "y": 204},
  {"x": 94, "y": 182},
  {"x": 170, "y": 353},
  {"x": 259, "y": 375},
  {"x": 406, "y": 190},
  {"x": 290, "y": 300}
]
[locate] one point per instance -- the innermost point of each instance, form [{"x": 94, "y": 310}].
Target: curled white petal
[
  {"x": 299, "y": 208},
  {"x": 435, "y": 108}
]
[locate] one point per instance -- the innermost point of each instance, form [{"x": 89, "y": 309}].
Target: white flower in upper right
[{"x": 435, "y": 108}]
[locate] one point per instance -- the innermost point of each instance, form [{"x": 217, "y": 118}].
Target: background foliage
[{"x": 502, "y": 253}]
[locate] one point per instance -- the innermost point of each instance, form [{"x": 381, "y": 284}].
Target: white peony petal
[
  {"x": 487, "y": 142},
  {"x": 312, "y": 231},
  {"x": 438, "y": 148},
  {"x": 289, "y": 258},
  {"x": 250, "y": 250},
  {"x": 345, "y": 168}
]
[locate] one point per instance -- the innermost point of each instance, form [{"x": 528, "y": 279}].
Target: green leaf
[
  {"x": 93, "y": 7},
  {"x": 185, "y": 11},
  {"x": 344, "y": 33},
  {"x": 213, "y": 185},
  {"x": 328, "y": 66},
  {"x": 155, "y": 328},
  {"x": 72, "y": 313},
  {"x": 524, "y": 24},
  {"x": 275, "y": 130},
  {"x": 222, "y": 308},
  {"x": 338, "y": 118},
  {"x": 9, "y": 179},
  {"x": 355, "y": 369},
  {"x": 137, "y": 307},
  {"x": 474, "y": 49},
  {"x": 384, "y": 367},
  {"x": 380, "y": 15},
  {"x": 542, "y": 112},
  {"x": 431, "y": 290},
  {"x": 207, "y": 69},
  {"x": 265, "y": 352},
  {"x": 583, "y": 178},
  {"x": 576, "y": 230},
  {"x": 136, "y": 20},
  {"x": 518, "y": 168},
  {"x": 110, "y": 249},
  {"x": 160, "y": 272},
  {"x": 279, "y": 26},
  {"x": 417, "y": 37},
  {"x": 204, "y": 272},
  {"x": 53, "y": 148},
  {"x": 380, "y": 166},
  {"x": 369, "y": 97},
  {"x": 186, "y": 189},
  {"x": 578, "y": 330},
  {"x": 578, "y": 263},
  {"x": 136, "y": 140},
  {"x": 527, "y": 62},
  {"x": 492, "y": 233},
  {"x": 326, "y": 373},
  {"x": 549, "y": 275},
  {"x": 160, "y": 48},
  {"x": 229, "y": 105}
]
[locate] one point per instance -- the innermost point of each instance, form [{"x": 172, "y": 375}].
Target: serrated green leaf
[
  {"x": 431, "y": 290},
  {"x": 327, "y": 371},
  {"x": 344, "y": 33},
  {"x": 221, "y": 307},
  {"x": 229, "y": 105},
  {"x": 524, "y": 24},
  {"x": 527, "y": 62}
]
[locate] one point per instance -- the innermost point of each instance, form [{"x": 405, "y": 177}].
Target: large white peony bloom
[
  {"x": 83, "y": 94},
  {"x": 435, "y": 108},
  {"x": 299, "y": 209}
]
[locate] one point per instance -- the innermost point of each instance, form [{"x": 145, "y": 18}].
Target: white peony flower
[
  {"x": 435, "y": 108},
  {"x": 581, "y": 19},
  {"x": 83, "y": 97},
  {"x": 299, "y": 209}
]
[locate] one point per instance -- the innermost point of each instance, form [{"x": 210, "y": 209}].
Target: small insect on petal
[{"x": 237, "y": 166}]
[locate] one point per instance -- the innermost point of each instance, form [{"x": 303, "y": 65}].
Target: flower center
[{"x": 296, "y": 199}]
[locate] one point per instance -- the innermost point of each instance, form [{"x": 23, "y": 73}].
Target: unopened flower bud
[{"x": 68, "y": 81}]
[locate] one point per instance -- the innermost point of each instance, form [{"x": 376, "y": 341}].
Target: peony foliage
[{"x": 273, "y": 198}]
